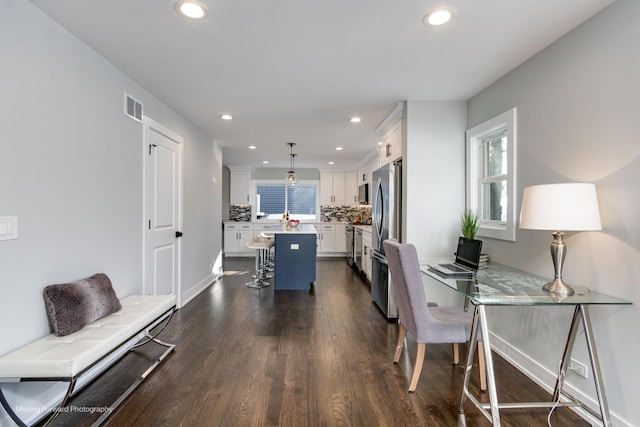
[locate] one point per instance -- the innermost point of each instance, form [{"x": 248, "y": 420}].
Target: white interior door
[{"x": 162, "y": 210}]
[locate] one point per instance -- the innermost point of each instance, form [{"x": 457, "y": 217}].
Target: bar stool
[
  {"x": 260, "y": 246},
  {"x": 269, "y": 237}
]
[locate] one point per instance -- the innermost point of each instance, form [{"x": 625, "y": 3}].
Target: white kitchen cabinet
[
  {"x": 239, "y": 186},
  {"x": 331, "y": 238},
  {"x": 332, "y": 188},
  {"x": 341, "y": 238},
  {"x": 236, "y": 236},
  {"x": 365, "y": 172},
  {"x": 391, "y": 148},
  {"x": 366, "y": 253},
  {"x": 326, "y": 238},
  {"x": 351, "y": 188}
]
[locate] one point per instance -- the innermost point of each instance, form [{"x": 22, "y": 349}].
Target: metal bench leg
[
  {"x": 54, "y": 412},
  {"x": 106, "y": 414}
]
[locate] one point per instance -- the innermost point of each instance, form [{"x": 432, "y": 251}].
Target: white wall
[
  {"x": 433, "y": 165},
  {"x": 578, "y": 108},
  {"x": 71, "y": 170}
]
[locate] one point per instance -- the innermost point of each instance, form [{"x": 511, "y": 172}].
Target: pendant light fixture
[{"x": 291, "y": 174}]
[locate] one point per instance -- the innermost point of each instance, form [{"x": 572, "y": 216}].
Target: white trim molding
[{"x": 477, "y": 162}]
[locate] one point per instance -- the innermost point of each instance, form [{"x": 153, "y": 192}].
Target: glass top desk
[{"x": 498, "y": 285}]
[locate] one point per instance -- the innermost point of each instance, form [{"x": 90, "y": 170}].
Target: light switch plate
[{"x": 8, "y": 227}]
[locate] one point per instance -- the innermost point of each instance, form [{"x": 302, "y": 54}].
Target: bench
[{"x": 66, "y": 358}]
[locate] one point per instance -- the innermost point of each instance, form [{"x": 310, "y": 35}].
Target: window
[
  {"x": 274, "y": 198},
  {"x": 491, "y": 149}
]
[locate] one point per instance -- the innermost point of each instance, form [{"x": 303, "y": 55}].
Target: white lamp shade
[{"x": 560, "y": 207}]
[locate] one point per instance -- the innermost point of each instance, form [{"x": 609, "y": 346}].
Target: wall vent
[{"x": 132, "y": 108}]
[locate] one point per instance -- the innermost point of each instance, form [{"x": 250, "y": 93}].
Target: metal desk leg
[
  {"x": 473, "y": 342},
  {"x": 491, "y": 379},
  {"x": 568, "y": 348},
  {"x": 480, "y": 321},
  {"x": 582, "y": 313},
  {"x": 595, "y": 365}
]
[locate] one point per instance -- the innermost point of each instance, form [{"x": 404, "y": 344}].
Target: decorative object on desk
[
  {"x": 484, "y": 261},
  {"x": 557, "y": 207},
  {"x": 293, "y": 223},
  {"x": 291, "y": 173},
  {"x": 469, "y": 224}
]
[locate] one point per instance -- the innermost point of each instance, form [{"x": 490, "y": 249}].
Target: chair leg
[
  {"x": 418, "y": 367},
  {"x": 456, "y": 353},
  {"x": 482, "y": 370},
  {"x": 402, "y": 333}
]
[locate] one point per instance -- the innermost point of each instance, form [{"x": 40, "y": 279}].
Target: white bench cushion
[{"x": 64, "y": 357}]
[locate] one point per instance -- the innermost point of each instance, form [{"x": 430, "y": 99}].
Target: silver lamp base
[
  {"x": 557, "y": 286},
  {"x": 558, "y": 252}
]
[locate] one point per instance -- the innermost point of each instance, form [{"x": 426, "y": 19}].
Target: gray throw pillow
[{"x": 71, "y": 306}]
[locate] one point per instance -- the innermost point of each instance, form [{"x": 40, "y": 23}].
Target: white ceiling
[{"x": 296, "y": 70}]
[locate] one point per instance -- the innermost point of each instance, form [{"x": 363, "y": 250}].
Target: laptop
[{"x": 466, "y": 261}]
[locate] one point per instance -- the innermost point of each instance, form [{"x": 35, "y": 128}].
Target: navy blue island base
[{"x": 295, "y": 258}]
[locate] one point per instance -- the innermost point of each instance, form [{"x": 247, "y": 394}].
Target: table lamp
[{"x": 560, "y": 207}]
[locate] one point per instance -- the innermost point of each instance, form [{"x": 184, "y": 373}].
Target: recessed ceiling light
[
  {"x": 331, "y": 163},
  {"x": 192, "y": 9},
  {"x": 252, "y": 147},
  {"x": 380, "y": 143},
  {"x": 265, "y": 162},
  {"x": 355, "y": 119},
  {"x": 226, "y": 117},
  {"x": 438, "y": 16},
  {"x": 339, "y": 148}
]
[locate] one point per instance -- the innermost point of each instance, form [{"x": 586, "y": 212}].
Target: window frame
[
  {"x": 254, "y": 192},
  {"x": 476, "y": 163}
]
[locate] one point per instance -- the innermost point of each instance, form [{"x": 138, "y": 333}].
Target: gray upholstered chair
[{"x": 427, "y": 324}]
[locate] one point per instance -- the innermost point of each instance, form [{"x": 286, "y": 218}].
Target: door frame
[{"x": 148, "y": 125}]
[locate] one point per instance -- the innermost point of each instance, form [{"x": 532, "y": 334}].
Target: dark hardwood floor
[{"x": 248, "y": 357}]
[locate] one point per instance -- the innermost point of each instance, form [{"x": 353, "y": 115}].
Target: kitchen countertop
[
  {"x": 275, "y": 225},
  {"x": 300, "y": 229},
  {"x": 265, "y": 222}
]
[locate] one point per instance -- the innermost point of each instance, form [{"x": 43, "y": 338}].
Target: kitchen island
[{"x": 295, "y": 257}]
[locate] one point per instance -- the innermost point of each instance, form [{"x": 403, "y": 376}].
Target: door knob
[{"x": 178, "y": 234}]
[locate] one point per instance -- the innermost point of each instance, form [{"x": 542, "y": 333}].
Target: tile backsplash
[
  {"x": 240, "y": 213},
  {"x": 346, "y": 213}
]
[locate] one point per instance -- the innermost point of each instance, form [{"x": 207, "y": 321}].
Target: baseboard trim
[{"x": 197, "y": 289}]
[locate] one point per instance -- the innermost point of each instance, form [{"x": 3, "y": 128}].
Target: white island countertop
[{"x": 300, "y": 229}]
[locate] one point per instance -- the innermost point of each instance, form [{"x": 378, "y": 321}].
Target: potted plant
[{"x": 469, "y": 223}]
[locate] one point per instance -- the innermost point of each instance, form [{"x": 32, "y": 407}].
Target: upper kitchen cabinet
[
  {"x": 333, "y": 188},
  {"x": 239, "y": 186},
  {"x": 391, "y": 136},
  {"x": 351, "y": 188},
  {"x": 391, "y": 148},
  {"x": 365, "y": 172}
]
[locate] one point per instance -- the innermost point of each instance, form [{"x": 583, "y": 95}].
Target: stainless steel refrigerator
[{"x": 386, "y": 223}]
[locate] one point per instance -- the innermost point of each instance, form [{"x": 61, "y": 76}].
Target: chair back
[{"x": 413, "y": 311}]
